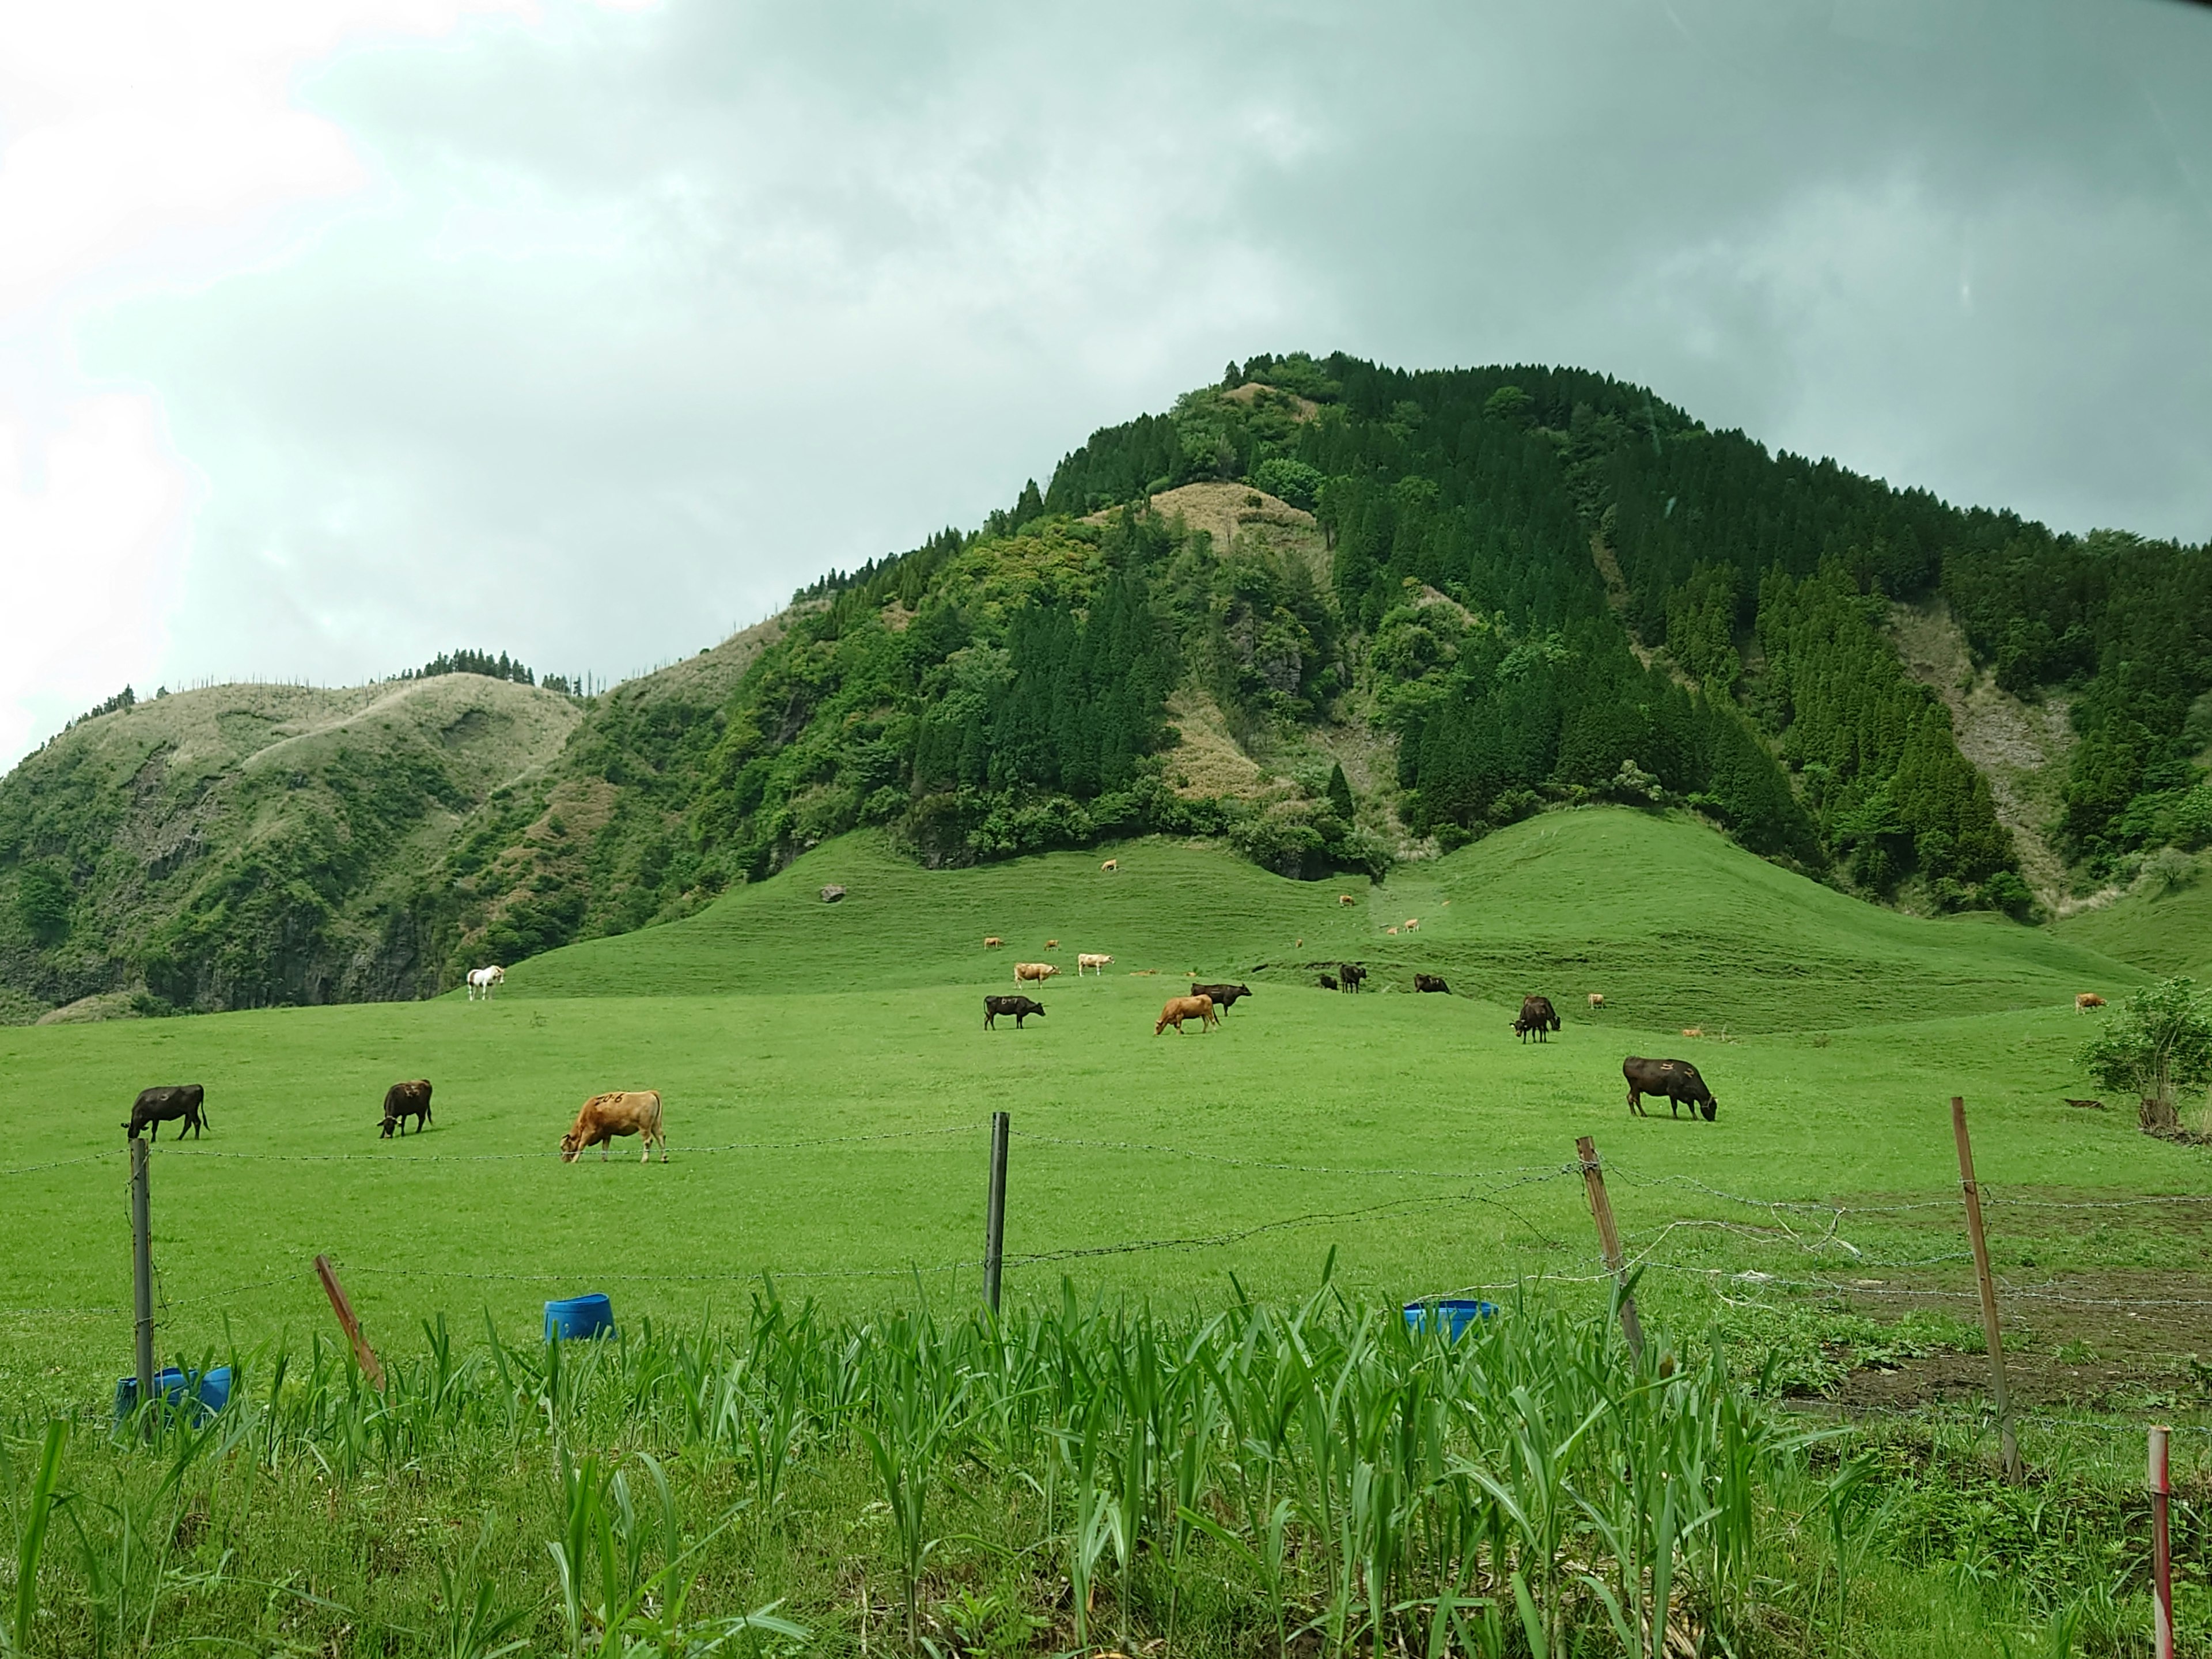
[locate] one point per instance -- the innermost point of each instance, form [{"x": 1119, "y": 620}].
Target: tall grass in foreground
[{"x": 1319, "y": 1479}]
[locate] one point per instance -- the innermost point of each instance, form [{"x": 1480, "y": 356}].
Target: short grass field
[{"x": 829, "y": 1084}]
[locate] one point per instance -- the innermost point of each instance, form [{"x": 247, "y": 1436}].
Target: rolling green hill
[
  {"x": 1334, "y": 616},
  {"x": 1673, "y": 925}
]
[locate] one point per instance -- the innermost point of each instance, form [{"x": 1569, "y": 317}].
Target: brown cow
[
  {"x": 991, "y": 942},
  {"x": 402, "y": 1101},
  {"x": 1097, "y": 959},
  {"x": 625, "y": 1112},
  {"x": 1026, "y": 972},
  {"x": 1597, "y": 999},
  {"x": 1052, "y": 945},
  {"x": 1180, "y": 1009},
  {"x": 1111, "y": 864},
  {"x": 1345, "y": 899},
  {"x": 2087, "y": 1000},
  {"x": 1412, "y": 924}
]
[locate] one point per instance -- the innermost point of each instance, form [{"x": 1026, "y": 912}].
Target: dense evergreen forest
[{"x": 1520, "y": 586}]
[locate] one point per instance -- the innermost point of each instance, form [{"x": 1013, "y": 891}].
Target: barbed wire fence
[{"x": 1809, "y": 1231}]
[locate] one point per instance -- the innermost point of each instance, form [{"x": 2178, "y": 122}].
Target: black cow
[
  {"x": 406, "y": 1100},
  {"x": 1224, "y": 996},
  {"x": 1536, "y": 1015},
  {"x": 1353, "y": 973},
  {"x": 1677, "y": 1079},
  {"x": 1431, "y": 982},
  {"x": 155, "y": 1106},
  {"x": 1329, "y": 981},
  {"x": 1020, "y": 1007}
]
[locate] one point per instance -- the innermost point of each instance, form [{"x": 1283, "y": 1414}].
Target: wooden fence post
[
  {"x": 995, "y": 1212},
  {"x": 343, "y": 1309},
  {"x": 141, "y": 1271},
  {"x": 2161, "y": 1554},
  {"x": 2008, "y": 1443},
  {"x": 1608, "y": 1238}
]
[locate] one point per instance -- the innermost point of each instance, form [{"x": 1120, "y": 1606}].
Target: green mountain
[{"x": 1328, "y": 613}]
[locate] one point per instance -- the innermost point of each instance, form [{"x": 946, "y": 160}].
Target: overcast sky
[{"x": 334, "y": 333}]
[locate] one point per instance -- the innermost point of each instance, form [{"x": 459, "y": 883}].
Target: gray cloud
[{"x": 653, "y": 316}]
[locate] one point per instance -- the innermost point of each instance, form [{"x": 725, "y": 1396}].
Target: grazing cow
[
  {"x": 1354, "y": 975},
  {"x": 1026, "y": 973},
  {"x": 2086, "y": 1001},
  {"x": 1431, "y": 982},
  {"x": 155, "y": 1106},
  {"x": 1596, "y": 999},
  {"x": 1392, "y": 931},
  {"x": 1180, "y": 1009},
  {"x": 1694, "y": 1030},
  {"x": 1111, "y": 864},
  {"x": 1097, "y": 959},
  {"x": 1329, "y": 981},
  {"x": 1052, "y": 945},
  {"x": 1537, "y": 1015},
  {"x": 1412, "y": 924},
  {"x": 1677, "y": 1079},
  {"x": 402, "y": 1101},
  {"x": 1345, "y": 899},
  {"x": 991, "y": 941},
  {"x": 1224, "y": 996},
  {"x": 486, "y": 980},
  {"x": 625, "y": 1112},
  {"x": 1020, "y": 1007}
]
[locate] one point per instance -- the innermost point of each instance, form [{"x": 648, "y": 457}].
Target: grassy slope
[
  {"x": 773, "y": 1017},
  {"x": 2169, "y": 934},
  {"x": 1675, "y": 924}
]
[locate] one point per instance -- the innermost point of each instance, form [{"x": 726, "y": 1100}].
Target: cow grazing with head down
[
  {"x": 1328, "y": 981},
  {"x": 402, "y": 1101},
  {"x": 1224, "y": 996},
  {"x": 1027, "y": 973},
  {"x": 1179, "y": 1009},
  {"x": 155, "y": 1106},
  {"x": 1433, "y": 982},
  {"x": 1677, "y": 1079},
  {"x": 603, "y": 1117},
  {"x": 485, "y": 980},
  {"x": 1345, "y": 899},
  {"x": 1020, "y": 1007},
  {"x": 2086, "y": 1000},
  {"x": 1352, "y": 973},
  {"x": 1596, "y": 1000},
  {"x": 1111, "y": 865},
  {"x": 1537, "y": 1015}
]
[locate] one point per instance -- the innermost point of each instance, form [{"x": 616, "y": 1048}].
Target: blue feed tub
[
  {"x": 209, "y": 1392},
  {"x": 1454, "y": 1314},
  {"x": 579, "y": 1317}
]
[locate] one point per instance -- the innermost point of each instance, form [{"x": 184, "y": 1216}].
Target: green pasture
[{"x": 1413, "y": 1135}]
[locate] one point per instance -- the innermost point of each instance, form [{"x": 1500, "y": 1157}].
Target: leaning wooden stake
[
  {"x": 1608, "y": 1237},
  {"x": 2162, "y": 1554},
  {"x": 2007, "y": 1442},
  {"x": 350, "y": 1325}
]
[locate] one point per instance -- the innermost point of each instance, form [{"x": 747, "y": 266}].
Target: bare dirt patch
[
  {"x": 1228, "y": 513},
  {"x": 2094, "y": 1341},
  {"x": 1251, "y": 390}
]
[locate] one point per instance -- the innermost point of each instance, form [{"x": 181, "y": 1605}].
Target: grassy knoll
[
  {"x": 2170, "y": 933},
  {"x": 773, "y": 1018}
]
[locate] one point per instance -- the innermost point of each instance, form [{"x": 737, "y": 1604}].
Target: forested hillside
[{"x": 1474, "y": 593}]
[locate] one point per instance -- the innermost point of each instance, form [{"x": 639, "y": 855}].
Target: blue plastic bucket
[
  {"x": 209, "y": 1392},
  {"x": 579, "y": 1317},
  {"x": 1454, "y": 1314}
]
